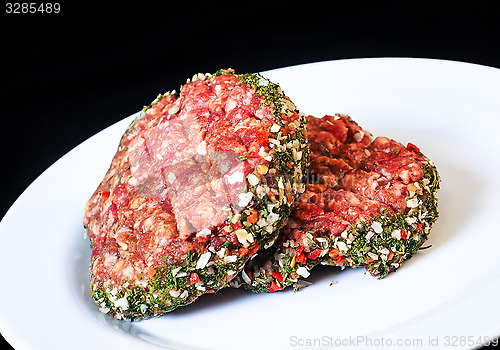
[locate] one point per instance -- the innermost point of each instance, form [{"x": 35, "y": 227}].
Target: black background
[{"x": 66, "y": 76}]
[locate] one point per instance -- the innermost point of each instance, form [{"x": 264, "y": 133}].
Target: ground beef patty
[
  {"x": 367, "y": 203},
  {"x": 201, "y": 180}
]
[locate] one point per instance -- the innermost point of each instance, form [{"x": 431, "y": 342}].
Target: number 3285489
[{"x": 32, "y": 7}]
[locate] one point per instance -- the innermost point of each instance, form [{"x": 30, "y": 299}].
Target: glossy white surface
[{"x": 448, "y": 109}]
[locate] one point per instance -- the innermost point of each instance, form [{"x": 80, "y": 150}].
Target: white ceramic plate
[{"x": 446, "y": 295}]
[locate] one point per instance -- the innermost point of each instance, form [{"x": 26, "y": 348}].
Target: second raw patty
[{"x": 367, "y": 204}]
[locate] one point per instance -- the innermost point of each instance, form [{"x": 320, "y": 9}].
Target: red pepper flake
[
  {"x": 390, "y": 255},
  {"x": 339, "y": 260},
  {"x": 253, "y": 250},
  {"x": 262, "y": 139},
  {"x": 104, "y": 195},
  {"x": 419, "y": 227},
  {"x": 272, "y": 197},
  {"x": 314, "y": 254},
  {"x": 243, "y": 251},
  {"x": 237, "y": 225},
  {"x": 300, "y": 257},
  {"x": 288, "y": 164},
  {"x": 253, "y": 217},
  {"x": 278, "y": 276},
  {"x": 194, "y": 278},
  {"x": 403, "y": 234},
  {"x": 273, "y": 287},
  {"x": 249, "y": 251},
  {"x": 412, "y": 147},
  {"x": 334, "y": 253}
]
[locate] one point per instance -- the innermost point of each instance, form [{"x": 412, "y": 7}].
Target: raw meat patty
[
  {"x": 201, "y": 180},
  {"x": 367, "y": 203}
]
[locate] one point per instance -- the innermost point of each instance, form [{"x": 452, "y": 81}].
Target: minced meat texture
[
  {"x": 201, "y": 180},
  {"x": 367, "y": 203}
]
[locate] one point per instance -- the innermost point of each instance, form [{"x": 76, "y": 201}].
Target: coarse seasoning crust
[
  {"x": 174, "y": 219},
  {"x": 367, "y": 204}
]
